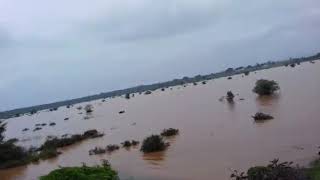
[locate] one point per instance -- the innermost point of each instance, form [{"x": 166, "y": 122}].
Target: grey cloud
[{"x": 59, "y": 50}]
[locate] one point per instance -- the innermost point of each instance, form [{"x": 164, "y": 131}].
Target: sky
[{"x": 57, "y": 50}]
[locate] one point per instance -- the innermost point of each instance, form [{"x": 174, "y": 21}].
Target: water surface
[{"x": 214, "y": 138}]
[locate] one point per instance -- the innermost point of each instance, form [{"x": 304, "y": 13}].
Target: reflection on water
[
  {"x": 269, "y": 100},
  {"x": 155, "y": 159},
  {"x": 215, "y": 136}
]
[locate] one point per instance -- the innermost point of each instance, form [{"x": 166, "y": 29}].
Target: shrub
[
  {"x": 128, "y": 143},
  {"x": 170, "y": 132},
  {"x": 104, "y": 172},
  {"x": 127, "y": 96},
  {"x": 88, "y": 108},
  {"x": 246, "y": 73},
  {"x": 273, "y": 171},
  {"x": 49, "y": 153},
  {"x": 262, "y": 116},
  {"x": 230, "y": 96},
  {"x": 265, "y": 87},
  {"x": 147, "y": 92},
  {"x": 97, "y": 150},
  {"x": 112, "y": 147},
  {"x": 11, "y": 155},
  {"x": 153, "y": 143}
]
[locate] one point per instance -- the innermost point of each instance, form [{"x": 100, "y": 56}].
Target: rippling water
[{"x": 214, "y": 138}]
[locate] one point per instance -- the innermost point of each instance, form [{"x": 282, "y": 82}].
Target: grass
[
  {"x": 314, "y": 171},
  {"x": 103, "y": 172}
]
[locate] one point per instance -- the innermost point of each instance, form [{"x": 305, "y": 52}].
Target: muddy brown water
[{"x": 214, "y": 138}]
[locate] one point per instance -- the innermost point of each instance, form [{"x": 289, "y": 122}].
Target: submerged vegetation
[
  {"x": 230, "y": 96},
  {"x": 88, "y": 108},
  {"x": 169, "y": 132},
  {"x": 265, "y": 87},
  {"x": 279, "y": 171},
  {"x": 102, "y": 172},
  {"x": 259, "y": 116},
  {"x": 12, "y": 155},
  {"x": 153, "y": 143}
]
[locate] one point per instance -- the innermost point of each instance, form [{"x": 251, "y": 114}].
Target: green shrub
[
  {"x": 104, "y": 172},
  {"x": 153, "y": 143},
  {"x": 265, "y": 87},
  {"x": 169, "y": 132},
  {"x": 230, "y": 96}
]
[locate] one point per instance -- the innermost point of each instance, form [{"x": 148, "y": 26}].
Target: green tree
[{"x": 265, "y": 87}]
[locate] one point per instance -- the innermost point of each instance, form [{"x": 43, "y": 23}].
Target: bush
[
  {"x": 262, "y": 116},
  {"x": 169, "y": 132},
  {"x": 88, "y": 108},
  {"x": 97, "y": 150},
  {"x": 127, "y": 96},
  {"x": 66, "y": 141},
  {"x": 112, "y": 147},
  {"x": 147, "y": 92},
  {"x": 103, "y": 172},
  {"x": 273, "y": 171},
  {"x": 265, "y": 87},
  {"x": 230, "y": 96},
  {"x": 130, "y": 143},
  {"x": 11, "y": 155},
  {"x": 153, "y": 143}
]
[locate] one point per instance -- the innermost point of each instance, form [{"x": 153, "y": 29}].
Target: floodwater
[{"x": 215, "y": 137}]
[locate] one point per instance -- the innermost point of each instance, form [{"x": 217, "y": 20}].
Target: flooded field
[{"x": 215, "y": 136}]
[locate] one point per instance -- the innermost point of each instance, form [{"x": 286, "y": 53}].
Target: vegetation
[
  {"x": 266, "y": 87},
  {"x": 147, "y": 92},
  {"x": 112, "y": 147},
  {"x": 127, "y": 96},
  {"x": 273, "y": 171},
  {"x": 230, "y": 96},
  {"x": 88, "y": 108},
  {"x": 55, "y": 142},
  {"x": 11, "y": 155},
  {"x": 97, "y": 150},
  {"x": 130, "y": 143},
  {"x": 102, "y": 172},
  {"x": 169, "y": 132},
  {"x": 153, "y": 143},
  {"x": 259, "y": 116}
]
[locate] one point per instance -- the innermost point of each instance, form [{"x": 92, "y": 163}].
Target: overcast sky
[{"x": 62, "y": 49}]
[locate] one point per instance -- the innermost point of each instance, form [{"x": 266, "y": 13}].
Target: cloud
[{"x": 56, "y": 50}]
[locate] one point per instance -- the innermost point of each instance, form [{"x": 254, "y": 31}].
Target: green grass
[
  {"x": 314, "y": 171},
  {"x": 82, "y": 173}
]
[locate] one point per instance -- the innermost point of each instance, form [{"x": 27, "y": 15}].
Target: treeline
[{"x": 143, "y": 88}]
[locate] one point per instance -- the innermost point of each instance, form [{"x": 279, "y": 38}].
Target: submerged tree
[
  {"x": 88, "y": 108},
  {"x": 265, "y": 87},
  {"x": 230, "y": 96},
  {"x": 153, "y": 143}
]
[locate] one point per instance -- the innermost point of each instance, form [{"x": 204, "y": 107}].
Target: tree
[
  {"x": 88, "y": 108},
  {"x": 230, "y": 96},
  {"x": 265, "y": 87},
  {"x": 2, "y": 130},
  {"x": 153, "y": 143}
]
